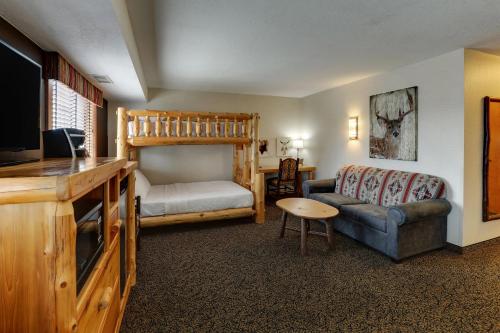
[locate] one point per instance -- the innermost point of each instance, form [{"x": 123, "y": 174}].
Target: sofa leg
[{"x": 396, "y": 261}]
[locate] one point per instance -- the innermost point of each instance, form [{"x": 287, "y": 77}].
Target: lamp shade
[
  {"x": 353, "y": 128},
  {"x": 298, "y": 143}
]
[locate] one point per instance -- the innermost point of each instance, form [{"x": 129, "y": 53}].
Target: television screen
[{"x": 20, "y": 80}]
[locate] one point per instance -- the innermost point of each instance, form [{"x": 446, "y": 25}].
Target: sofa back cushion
[{"x": 385, "y": 187}]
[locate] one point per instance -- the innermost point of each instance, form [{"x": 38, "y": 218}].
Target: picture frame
[
  {"x": 283, "y": 146},
  {"x": 394, "y": 125}
]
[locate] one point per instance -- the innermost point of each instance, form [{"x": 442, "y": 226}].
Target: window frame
[{"x": 89, "y": 116}]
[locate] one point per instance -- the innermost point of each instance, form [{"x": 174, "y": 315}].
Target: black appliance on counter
[{"x": 64, "y": 142}]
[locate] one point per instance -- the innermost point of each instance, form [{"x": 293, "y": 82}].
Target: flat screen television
[{"x": 20, "y": 80}]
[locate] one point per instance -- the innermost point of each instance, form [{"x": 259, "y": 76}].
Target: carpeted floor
[{"x": 237, "y": 276}]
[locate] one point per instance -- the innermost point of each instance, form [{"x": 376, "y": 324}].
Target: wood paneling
[
  {"x": 19, "y": 41},
  {"x": 102, "y": 130}
]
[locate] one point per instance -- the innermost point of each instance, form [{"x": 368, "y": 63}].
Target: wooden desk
[{"x": 302, "y": 169}]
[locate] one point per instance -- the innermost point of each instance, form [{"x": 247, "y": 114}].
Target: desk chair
[{"x": 287, "y": 180}]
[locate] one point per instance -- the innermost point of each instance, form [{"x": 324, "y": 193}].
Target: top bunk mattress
[{"x": 195, "y": 197}]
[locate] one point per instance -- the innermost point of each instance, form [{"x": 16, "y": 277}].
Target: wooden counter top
[{"x": 54, "y": 179}]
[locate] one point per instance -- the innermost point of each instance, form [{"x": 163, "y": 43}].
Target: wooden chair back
[{"x": 288, "y": 170}]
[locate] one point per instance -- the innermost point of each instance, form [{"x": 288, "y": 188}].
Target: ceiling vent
[{"x": 101, "y": 78}]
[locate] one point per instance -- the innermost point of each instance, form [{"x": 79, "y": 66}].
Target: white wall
[
  {"x": 440, "y": 82},
  {"x": 280, "y": 116},
  {"x": 482, "y": 78}
]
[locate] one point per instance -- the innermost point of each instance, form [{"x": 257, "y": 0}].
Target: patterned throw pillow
[
  {"x": 348, "y": 180},
  {"x": 387, "y": 187}
]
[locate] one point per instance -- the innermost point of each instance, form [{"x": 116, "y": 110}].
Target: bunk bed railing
[{"x": 152, "y": 127}]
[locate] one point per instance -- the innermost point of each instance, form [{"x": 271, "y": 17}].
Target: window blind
[{"x": 70, "y": 109}]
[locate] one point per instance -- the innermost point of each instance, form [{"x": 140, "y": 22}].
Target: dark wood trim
[
  {"x": 102, "y": 130},
  {"x": 20, "y": 42},
  {"x": 486, "y": 148}
]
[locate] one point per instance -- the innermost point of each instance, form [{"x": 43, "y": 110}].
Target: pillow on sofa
[
  {"x": 386, "y": 187},
  {"x": 142, "y": 184}
]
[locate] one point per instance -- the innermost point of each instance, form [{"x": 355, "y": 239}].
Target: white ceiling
[
  {"x": 85, "y": 32},
  {"x": 270, "y": 47}
]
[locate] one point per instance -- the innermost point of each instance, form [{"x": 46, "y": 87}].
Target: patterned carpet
[{"x": 237, "y": 276}]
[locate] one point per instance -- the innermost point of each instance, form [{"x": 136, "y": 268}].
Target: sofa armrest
[
  {"x": 318, "y": 186},
  {"x": 420, "y": 210}
]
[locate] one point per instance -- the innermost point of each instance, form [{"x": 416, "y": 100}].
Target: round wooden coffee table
[{"x": 307, "y": 209}]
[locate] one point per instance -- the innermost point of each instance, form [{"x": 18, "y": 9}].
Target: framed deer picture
[{"x": 393, "y": 125}]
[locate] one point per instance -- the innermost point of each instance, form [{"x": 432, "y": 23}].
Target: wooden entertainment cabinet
[{"x": 38, "y": 285}]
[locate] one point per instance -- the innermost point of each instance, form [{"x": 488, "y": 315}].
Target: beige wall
[
  {"x": 280, "y": 116},
  {"x": 440, "y": 125},
  {"x": 482, "y": 78}
]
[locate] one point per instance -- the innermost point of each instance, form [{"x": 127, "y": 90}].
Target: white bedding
[{"x": 194, "y": 197}]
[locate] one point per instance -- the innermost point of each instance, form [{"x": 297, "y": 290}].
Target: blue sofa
[{"x": 398, "y": 213}]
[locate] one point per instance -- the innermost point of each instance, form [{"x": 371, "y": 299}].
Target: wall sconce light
[
  {"x": 298, "y": 144},
  {"x": 353, "y": 128}
]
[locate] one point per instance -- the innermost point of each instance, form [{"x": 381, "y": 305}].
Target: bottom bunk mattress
[{"x": 195, "y": 197}]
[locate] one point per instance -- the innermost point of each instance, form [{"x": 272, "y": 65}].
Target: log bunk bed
[{"x": 143, "y": 128}]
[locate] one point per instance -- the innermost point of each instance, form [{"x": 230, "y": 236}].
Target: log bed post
[
  {"x": 122, "y": 133},
  {"x": 256, "y": 177},
  {"x": 236, "y": 163}
]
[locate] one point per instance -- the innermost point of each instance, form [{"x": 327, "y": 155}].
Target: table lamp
[{"x": 298, "y": 144}]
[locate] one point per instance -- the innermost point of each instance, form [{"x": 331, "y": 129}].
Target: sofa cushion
[
  {"x": 348, "y": 179},
  {"x": 387, "y": 187},
  {"x": 334, "y": 199},
  {"x": 402, "y": 187},
  {"x": 373, "y": 216}
]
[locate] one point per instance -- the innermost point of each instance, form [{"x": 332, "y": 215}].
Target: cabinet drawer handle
[{"x": 105, "y": 299}]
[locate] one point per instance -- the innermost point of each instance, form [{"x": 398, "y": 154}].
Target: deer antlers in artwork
[
  {"x": 410, "y": 103},
  {"x": 401, "y": 114}
]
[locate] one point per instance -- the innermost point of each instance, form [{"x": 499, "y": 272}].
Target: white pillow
[{"x": 142, "y": 184}]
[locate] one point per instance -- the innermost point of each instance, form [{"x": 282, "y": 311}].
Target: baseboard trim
[{"x": 472, "y": 247}]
